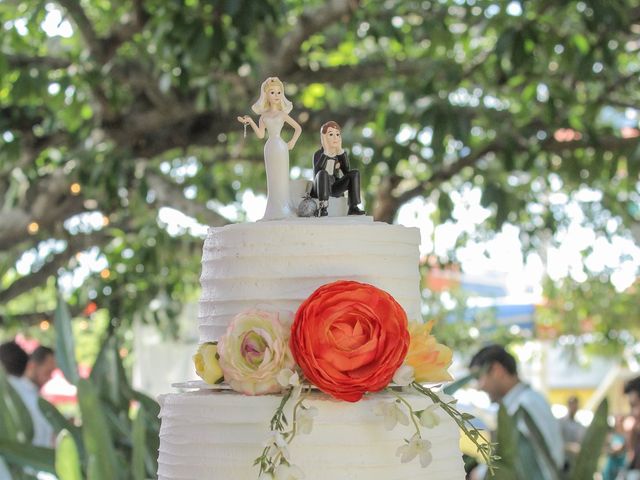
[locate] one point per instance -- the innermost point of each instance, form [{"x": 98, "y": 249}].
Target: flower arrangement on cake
[{"x": 347, "y": 339}]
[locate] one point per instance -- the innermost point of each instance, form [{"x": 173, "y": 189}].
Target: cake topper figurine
[
  {"x": 331, "y": 172},
  {"x": 273, "y": 108}
]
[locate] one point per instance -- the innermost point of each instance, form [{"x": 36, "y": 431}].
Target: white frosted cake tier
[
  {"x": 280, "y": 263},
  {"x": 217, "y": 435}
]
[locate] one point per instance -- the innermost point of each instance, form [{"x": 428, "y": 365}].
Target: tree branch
[
  {"x": 125, "y": 32},
  {"x": 171, "y": 195},
  {"x": 79, "y": 17},
  {"x": 134, "y": 75},
  {"x": 310, "y": 22},
  {"x": 338, "y": 76},
  {"x": 389, "y": 203},
  {"x": 103, "y": 49},
  {"x": 26, "y": 61},
  {"x": 47, "y": 204},
  {"x": 75, "y": 244},
  {"x": 609, "y": 143},
  {"x": 33, "y": 318},
  {"x": 26, "y": 319},
  {"x": 447, "y": 172}
]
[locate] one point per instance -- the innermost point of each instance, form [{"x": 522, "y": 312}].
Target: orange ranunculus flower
[
  {"x": 429, "y": 359},
  {"x": 349, "y": 338}
]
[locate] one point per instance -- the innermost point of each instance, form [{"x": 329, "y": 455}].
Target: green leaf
[
  {"x": 581, "y": 43},
  {"x": 458, "y": 384},
  {"x": 67, "y": 458},
  {"x": 27, "y": 455},
  {"x": 539, "y": 448},
  {"x": 151, "y": 410},
  {"x": 59, "y": 423},
  {"x": 151, "y": 407},
  {"x": 15, "y": 419},
  {"x": 65, "y": 346},
  {"x": 101, "y": 455},
  {"x": 633, "y": 164},
  {"x": 507, "y": 448},
  {"x": 139, "y": 448},
  {"x": 593, "y": 441},
  {"x": 109, "y": 378}
]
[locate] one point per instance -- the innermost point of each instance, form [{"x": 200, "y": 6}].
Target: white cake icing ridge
[
  {"x": 282, "y": 262},
  {"x": 217, "y": 435}
]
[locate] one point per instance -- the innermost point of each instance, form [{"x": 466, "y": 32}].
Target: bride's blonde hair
[{"x": 262, "y": 104}]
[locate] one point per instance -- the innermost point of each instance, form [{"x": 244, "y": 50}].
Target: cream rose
[{"x": 254, "y": 350}]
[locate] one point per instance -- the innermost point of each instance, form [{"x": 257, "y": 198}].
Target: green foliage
[
  {"x": 507, "y": 446},
  {"x": 65, "y": 347},
  {"x": 109, "y": 377},
  {"x": 67, "y": 457},
  {"x": 535, "y": 448},
  {"x": 101, "y": 456},
  {"x": 593, "y": 441},
  {"x": 60, "y": 423},
  {"x": 107, "y": 445},
  {"x": 452, "y": 387},
  {"x": 134, "y": 106},
  {"x": 517, "y": 453},
  {"x": 27, "y": 455},
  {"x": 456, "y": 328},
  {"x": 15, "y": 419},
  {"x": 592, "y": 307},
  {"x": 139, "y": 450}
]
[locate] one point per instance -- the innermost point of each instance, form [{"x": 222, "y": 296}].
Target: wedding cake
[
  {"x": 217, "y": 434},
  {"x": 315, "y": 359}
]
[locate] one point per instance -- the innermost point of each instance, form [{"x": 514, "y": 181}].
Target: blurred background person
[
  {"x": 14, "y": 359},
  {"x": 498, "y": 377},
  {"x": 615, "y": 450},
  {"x": 632, "y": 391},
  {"x": 27, "y": 375},
  {"x": 572, "y": 432}
]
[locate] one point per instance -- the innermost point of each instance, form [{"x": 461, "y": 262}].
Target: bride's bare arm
[{"x": 297, "y": 130}]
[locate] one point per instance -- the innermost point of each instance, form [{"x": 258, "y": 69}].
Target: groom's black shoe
[
  {"x": 355, "y": 211},
  {"x": 322, "y": 212}
]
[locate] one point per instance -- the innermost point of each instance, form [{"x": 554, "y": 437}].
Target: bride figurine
[{"x": 273, "y": 108}]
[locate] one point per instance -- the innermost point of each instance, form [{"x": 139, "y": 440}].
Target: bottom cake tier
[{"x": 217, "y": 435}]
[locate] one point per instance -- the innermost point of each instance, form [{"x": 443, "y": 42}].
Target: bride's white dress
[{"x": 276, "y": 161}]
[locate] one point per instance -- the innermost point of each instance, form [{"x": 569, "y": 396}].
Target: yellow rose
[
  {"x": 429, "y": 359},
  {"x": 206, "y": 362}
]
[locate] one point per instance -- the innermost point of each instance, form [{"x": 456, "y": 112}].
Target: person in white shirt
[
  {"x": 13, "y": 359},
  {"x": 27, "y": 375},
  {"x": 498, "y": 377}
]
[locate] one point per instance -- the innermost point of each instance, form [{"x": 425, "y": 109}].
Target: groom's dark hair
[{"x": 328, "y": 125}]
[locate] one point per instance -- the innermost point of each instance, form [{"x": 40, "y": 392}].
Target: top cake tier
[{"x": 278, "y": 264}]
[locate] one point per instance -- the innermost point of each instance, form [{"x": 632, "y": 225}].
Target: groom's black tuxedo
[
  {"x": 326, "y": 183},
  {"x": 320, "y": 160}
]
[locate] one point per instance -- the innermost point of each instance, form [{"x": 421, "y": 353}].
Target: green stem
[
  {"x": 303, "y": 397},
  {"x": 462, "y": 422},
  {"x": 276, "y": 420},
  {"x": 412, "y": 414}
]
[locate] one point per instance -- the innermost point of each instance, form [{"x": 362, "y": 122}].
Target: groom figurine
[{"x": 331, "y": 173}]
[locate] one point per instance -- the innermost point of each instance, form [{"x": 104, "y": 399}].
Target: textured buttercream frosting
[
  {"x": 217, "y": 435},
  {"x": 278, "y": 264}
]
